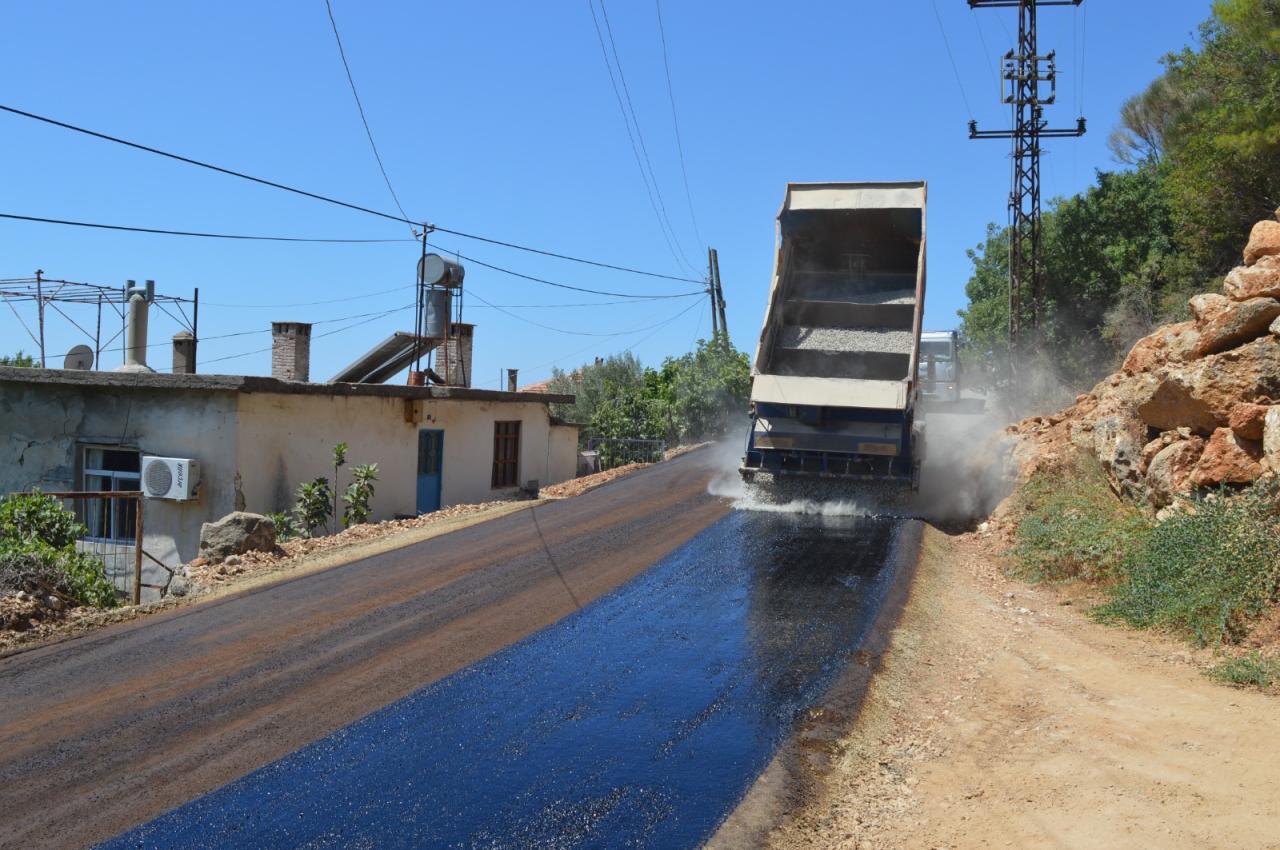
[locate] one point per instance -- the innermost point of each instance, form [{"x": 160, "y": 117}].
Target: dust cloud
[{"x": 964, "y": 476}]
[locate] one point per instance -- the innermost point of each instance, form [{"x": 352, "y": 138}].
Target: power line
[
  {"x": 362, "y": 297},
  {"x": 626, "y": 91},
  {"x": 954, "y": 68},
  {"x": 580, "y": 304},
  {"x": 364, "y": 321},
  {"x": 675, "y": 122},
  {"x": 664, "y": 224},
  {"x": 645, "y": 339},
  {"x": 326, "y": 199},
  {"x": 554, "y": 255},
  {"x": 529, "y": 277},
  {"x": 986, "y": 51},
  {"x": 166, "y": 232},
  {"x": 360, "y": 108},
  {"x": 518, "y": 317},
  {"x": 534, "y": 370}
]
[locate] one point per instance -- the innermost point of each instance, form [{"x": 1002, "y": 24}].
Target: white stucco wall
[
  {"x": 287, "y": 439},
  {"x": 562, "y": 450},
  {"x": 263, "y": 444},
  {"x": 43, "y": 427}
]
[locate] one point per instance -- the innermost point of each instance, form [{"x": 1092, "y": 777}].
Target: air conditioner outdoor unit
[{"x": 176, "y": 478}]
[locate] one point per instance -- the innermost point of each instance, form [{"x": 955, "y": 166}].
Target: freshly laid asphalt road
[{"x": 637, "y": 721}]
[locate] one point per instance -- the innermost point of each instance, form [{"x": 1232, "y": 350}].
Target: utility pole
[
  {"x": 1024, "y": 70},
  {"x": 711, "y": 289},
  {"x": 715, "y": 283},
  {"x": 40, "y": 311}
]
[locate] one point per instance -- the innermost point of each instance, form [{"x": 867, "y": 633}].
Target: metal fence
[
  {"x": 113, "y": 522},
  {"x": 618, "y": 451}
]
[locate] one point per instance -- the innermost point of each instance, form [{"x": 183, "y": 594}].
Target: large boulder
[
  {"x": 1247, "y": 419},
  {"x": 1264, "y": 241},
  {"x": 1167, "y": 344},
  {"x": 1227, "y": 459},
  {"x": 1118, "y": 437},
  {"x": 1233, "y": 323},
  {"x": 1207, "y": 306},
  {"x": 1201, "y": 394},
  {"x": 236, "y": 533},
  {"x": 1169, "y": 473},
  {"x": 1259, "y": 281}
]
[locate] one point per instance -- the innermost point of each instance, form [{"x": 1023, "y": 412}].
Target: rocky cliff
[{"x": 1196, "y": 404}]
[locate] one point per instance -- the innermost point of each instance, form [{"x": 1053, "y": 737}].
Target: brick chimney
[
  {"x": 453, "y": 356},
  {"x": 291, "y": 351}
]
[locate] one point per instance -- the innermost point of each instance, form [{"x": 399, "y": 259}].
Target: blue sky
[{"x": 499, "y": 119}]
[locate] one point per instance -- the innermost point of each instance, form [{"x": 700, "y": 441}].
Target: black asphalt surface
[{"x": 638, "y": 721}]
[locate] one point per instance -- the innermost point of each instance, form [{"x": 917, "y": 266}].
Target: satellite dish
[
  {"x": 435, "y": 270},
  {"x": 79, "y": 357}
]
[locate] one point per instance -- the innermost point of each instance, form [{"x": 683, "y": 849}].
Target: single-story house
[{"x": 255, "y": 439}]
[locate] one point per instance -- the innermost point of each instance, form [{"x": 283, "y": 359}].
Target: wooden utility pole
[
  {"x": 715, "y": 282},
  {"x": 711, "y": 289}
]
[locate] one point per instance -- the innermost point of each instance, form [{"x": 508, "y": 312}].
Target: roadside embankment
[{"x": 1003, "y": 716}]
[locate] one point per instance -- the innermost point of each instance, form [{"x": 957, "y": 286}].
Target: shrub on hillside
[
  {"x": 1081, "y": 531},
  {"x": 1208, "y": 572},
  {"x": 37, "y": 544}
]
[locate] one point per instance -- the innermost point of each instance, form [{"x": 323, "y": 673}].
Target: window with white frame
[{"x": 110, "y": 469}]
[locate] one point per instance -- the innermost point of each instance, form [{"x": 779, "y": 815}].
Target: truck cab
[{"x": 939, "y": 366}]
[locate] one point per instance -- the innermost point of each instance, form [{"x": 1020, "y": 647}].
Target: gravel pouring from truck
[{"x": 834, "y": 381}]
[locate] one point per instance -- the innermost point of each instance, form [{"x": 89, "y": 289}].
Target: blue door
[{"x": 430, "y": 462}]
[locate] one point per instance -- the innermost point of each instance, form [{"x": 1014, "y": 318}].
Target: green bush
[
  {"x": 1076, "y": 531},
  {"x": 1208, "y": 572},
  {"x": 285, "y": 529},
  {"x": 37, "y": 542},
  {"x": 1253, "y": 670},
  {"x": 29, "y": 517},
  {"x": 313, "y": 506},
  {"x": 358, "y": 494}
]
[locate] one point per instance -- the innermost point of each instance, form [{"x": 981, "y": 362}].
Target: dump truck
[
  {"x": 834, "y": 380},
  {"x": 940, "y": 367}
]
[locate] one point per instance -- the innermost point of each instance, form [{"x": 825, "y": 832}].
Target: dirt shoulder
[
  {"x": 291, "y": 559},
  {"x": 258, "y": 569},
  {"x": 1003, "y": 717}
]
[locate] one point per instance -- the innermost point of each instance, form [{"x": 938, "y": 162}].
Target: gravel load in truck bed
[{"x": 845, "y": 339}]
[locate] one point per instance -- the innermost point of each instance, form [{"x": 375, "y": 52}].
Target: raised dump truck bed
[{"x": 834, "y": 378}]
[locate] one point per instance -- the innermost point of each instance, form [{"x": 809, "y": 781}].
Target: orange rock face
[
  {"x": 1234, "y": 323},
  {"x": 1264, "y": 241},
  {"x": 1259, "y": 281},
  {"x": 1201, "y": 395},
  {"x": 1247, "y": 420},
  {"x": 1227, "y": 459},
  {"x": 1168, "y": 344}
]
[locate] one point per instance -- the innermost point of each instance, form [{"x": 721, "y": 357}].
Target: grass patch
[
  {"x": 1250, "y": 671},
  {"x": 1205, "y": 574},
  {"x": 1074, "y": 527},
  {"x": 1208, "y": 573}
]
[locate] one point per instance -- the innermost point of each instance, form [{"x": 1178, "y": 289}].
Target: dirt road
[
  {"x": 108, "y": 730},
  {"x": 1003, "y": 717}
]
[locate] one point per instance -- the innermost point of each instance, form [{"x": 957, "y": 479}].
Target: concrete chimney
[
  {"x": 511, "y": 380},
  {"x": 139, "y": 302},
  {"x": 453, "y": 356},
  {"x": 291, "y": 351},
  {"x": 184, "y": 353}
]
